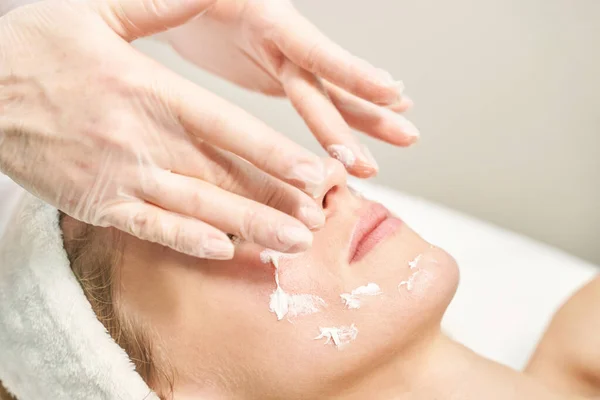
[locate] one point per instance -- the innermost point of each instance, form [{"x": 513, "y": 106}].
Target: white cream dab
[
  {"x": 352, "y": 300},
  {"x": 343, "y": 154},
  {"x": 339, "y": 336},
  {"x": 410, "y": 283},
  {"x": 282, "y": 303},
  {"x": 413, "y": 264}
]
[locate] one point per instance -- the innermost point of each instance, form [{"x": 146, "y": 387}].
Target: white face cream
[
  {"x": 282, "y": 303},
  {"x": 340, "y": 336},
  {"x": 343, "y": 154},
  {"x": 413, "y": 264},
  {"x": 352, "y": 299},
  {"x": 410, "y": 283}
]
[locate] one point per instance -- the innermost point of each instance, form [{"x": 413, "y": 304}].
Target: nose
[{"x": 336, "y": 184}]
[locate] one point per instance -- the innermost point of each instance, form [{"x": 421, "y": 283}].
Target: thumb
[{"x": 132, "y": 19}]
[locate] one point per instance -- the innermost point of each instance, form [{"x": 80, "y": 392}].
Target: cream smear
[
  {"x": 413, "y": 264},
  {"x": 340, "y": 336},
  {"x": 410, "y": 283},
  {"x": 282, "y": 303},
  {"x": 343, "y": 154},
  {"x": 352, "y": 299}
]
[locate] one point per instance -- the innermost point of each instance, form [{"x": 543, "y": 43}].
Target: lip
[{"x": 375, "y": 224}]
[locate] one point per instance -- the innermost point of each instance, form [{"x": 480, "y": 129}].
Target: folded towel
[{"x": 52, "y": 346}]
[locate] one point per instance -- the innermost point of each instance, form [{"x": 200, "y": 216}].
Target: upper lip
[{"x": 372, "y": 215}]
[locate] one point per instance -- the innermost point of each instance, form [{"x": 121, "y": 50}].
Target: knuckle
[
  {"x": 142, "y": 225},
  {"x": 197, "y": 204},
  {"x": 312, "y": 56},
  {"x": 274, "y": 197},
  {"x": 249, "y": 225},
  {"x": 157, "y": 8},
  {"x": 278, "y": 155},
  {"x": 175, "y": 237},
  {"x": 225, "y": 172}
]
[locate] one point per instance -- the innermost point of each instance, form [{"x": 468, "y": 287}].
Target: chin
[{"x": 419, "y": 311}]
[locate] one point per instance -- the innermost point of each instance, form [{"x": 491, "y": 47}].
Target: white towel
[{"x": 52, "y": 346}]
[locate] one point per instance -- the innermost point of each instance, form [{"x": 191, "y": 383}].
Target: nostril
[{"x": 330, "y": 192}]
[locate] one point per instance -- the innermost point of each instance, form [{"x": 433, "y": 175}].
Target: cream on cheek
[
  {"x": 352, "y": 300},
  {"x": 284, "y": 304}
]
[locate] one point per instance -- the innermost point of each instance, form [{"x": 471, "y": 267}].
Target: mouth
[{"x": 375, "y": 224}]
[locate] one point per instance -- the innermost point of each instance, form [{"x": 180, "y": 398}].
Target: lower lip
[{"x": 388, "y": 227}]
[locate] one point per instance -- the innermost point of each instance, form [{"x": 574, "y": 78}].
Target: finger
[
  {"x": 300, "y": 41},
  {"x": 238, "y": 176},
  {"x": 379, "y": 122},
  {"x": 308, "y": 96},
  {"x": 405, "y": 104},
  {"x": 135, "y": 19},
  {"x": 180, "y": 233},
  {"x": 226, "y": 211},
  {"x": 208, "y": 117}
]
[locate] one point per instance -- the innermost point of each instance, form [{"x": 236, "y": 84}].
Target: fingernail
[
  {"x": 392, "y": 98},
  {"x": 385, "y": 77},
  {"x": 218, "y": 249},
  {"x": 312, "y": 175},
  {"x": 295, "y": 237},
  {"x": 402, "y": 104},
  {"x": 368, "y": 157},
  {"x": 366, "y": 166},
  {"x": 312, "y": 216},
  {"x": 406, "y": 102},
  {"x": 399, "y": 87},
  {"x": 407, "y": 127},
  {"x": 343, "y": 154}
]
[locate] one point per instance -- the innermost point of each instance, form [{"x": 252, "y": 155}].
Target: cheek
[
  {"x": 393, "y": 321},
  {"x": 414, "y": 301}
]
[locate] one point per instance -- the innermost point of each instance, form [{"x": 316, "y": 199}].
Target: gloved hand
[
  {"x": 267, "y": 46},
  {"x": 112, "y": 138}
]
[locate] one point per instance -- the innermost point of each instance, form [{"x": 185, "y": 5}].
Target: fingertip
[
  {"x": 363, "y": 171},
  {"x": 312, "y": 216},
  {"x": 217, "y": 249},
  {"x": 357, "y": 159},
  {"x": 408, "y": 129},
  {"x": 396, "y": 129},
  {"x": 294, "y": 238},
  {"x": 388, "y": 91},
  {"x": 405, "y": 104}
]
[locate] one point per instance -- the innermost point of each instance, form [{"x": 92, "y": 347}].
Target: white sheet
[{"x": 510, "y": 285}]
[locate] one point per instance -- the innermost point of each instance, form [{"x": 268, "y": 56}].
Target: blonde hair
[{"x": 95, "y": 257}]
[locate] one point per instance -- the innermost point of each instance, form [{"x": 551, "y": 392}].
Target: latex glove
[
  {"x": 111, "y": 137},
  {"x": 267, "y": 46}
]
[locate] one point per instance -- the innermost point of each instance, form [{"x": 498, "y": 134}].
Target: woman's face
[{"x": 213, "y": 323}]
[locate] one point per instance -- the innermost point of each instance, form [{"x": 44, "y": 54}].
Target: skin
[
  {"x": 210, "y": 320},
  {"x": 568, "y": 357}
]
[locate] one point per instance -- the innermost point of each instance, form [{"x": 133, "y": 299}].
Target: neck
[{"x": 447, "y": 370}]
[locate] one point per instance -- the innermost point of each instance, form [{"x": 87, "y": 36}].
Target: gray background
[{"x": 507, "y": 98}]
